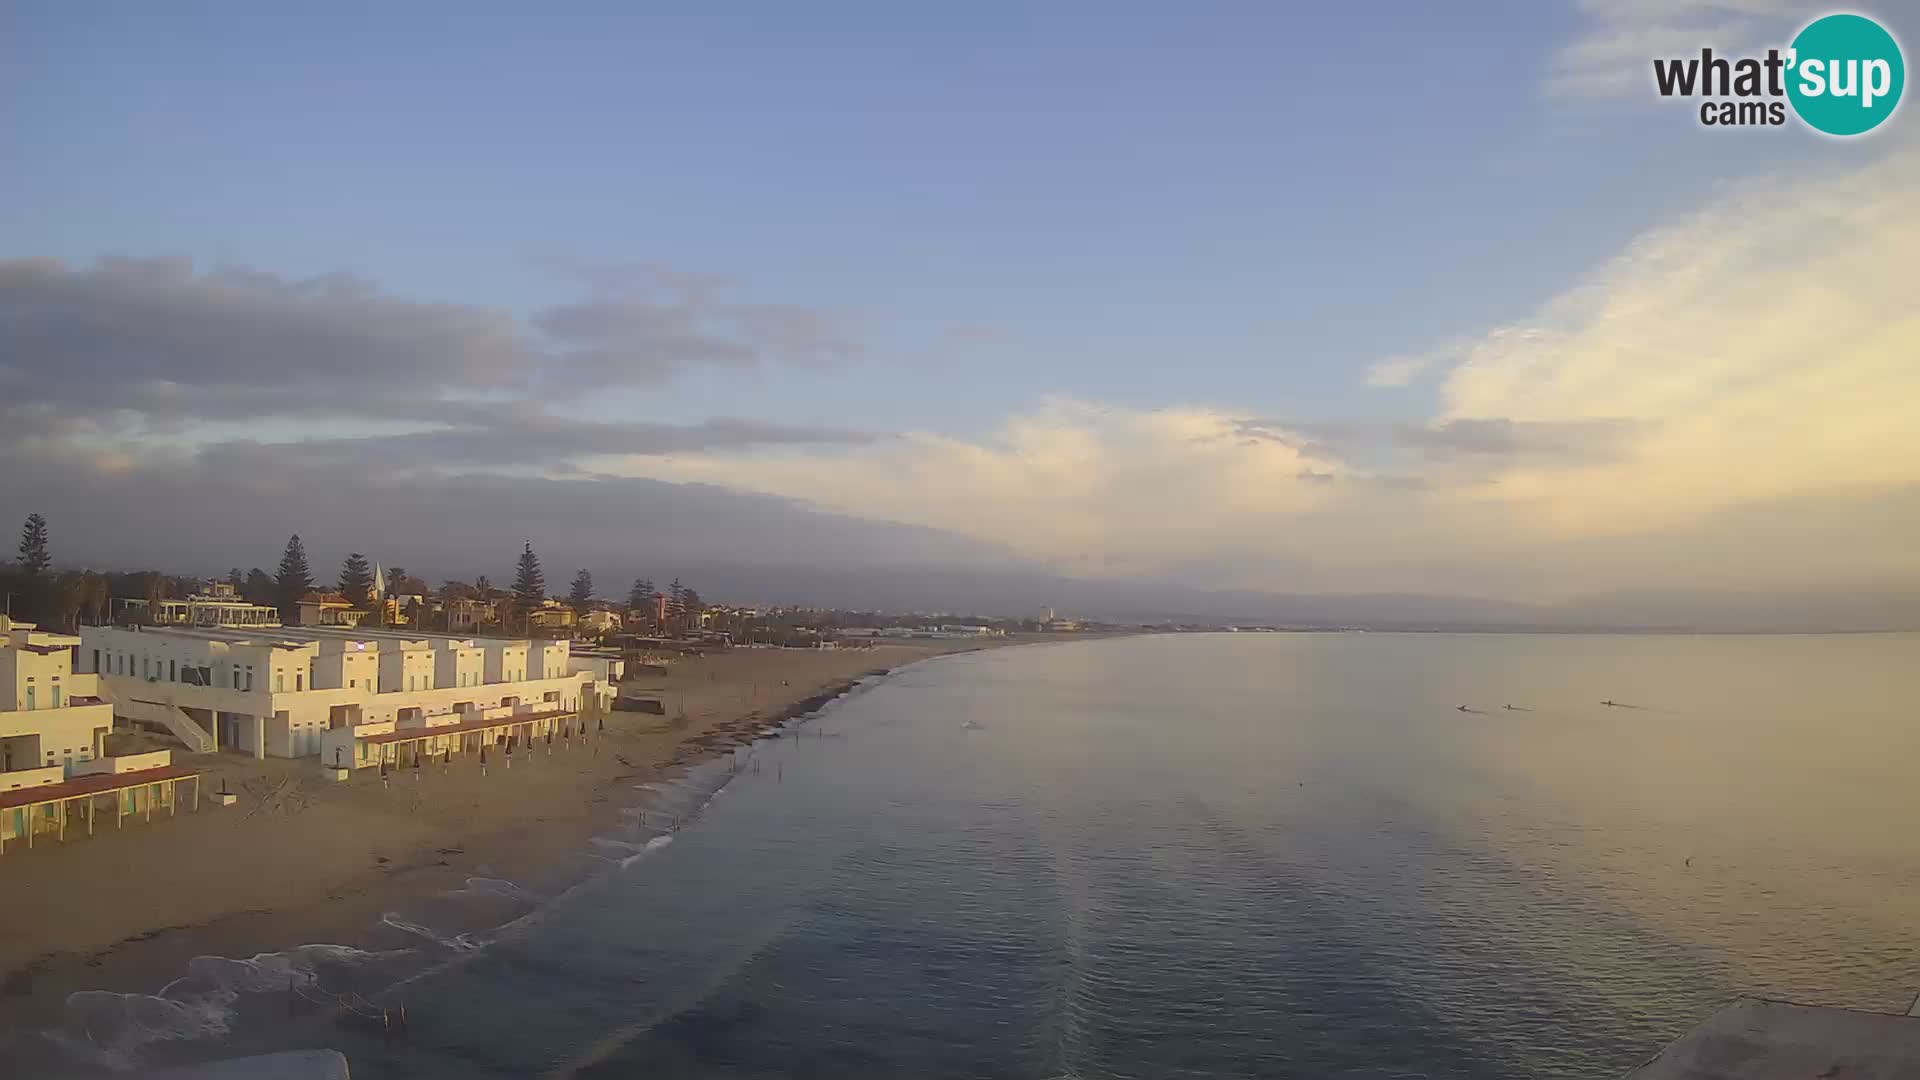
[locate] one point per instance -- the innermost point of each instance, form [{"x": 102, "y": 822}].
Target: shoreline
[{"x": 320, "y": 862}]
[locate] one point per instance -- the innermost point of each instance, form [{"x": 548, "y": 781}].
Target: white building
[
  {"x": 51, "y": 718},
  {"x": 600, "y": 621},
  {"x": 279, "y": 693},
  {"x": 327, "y": 609},
  {"x": 55, "y": 776},
  {"x": 218, "y": 606}
]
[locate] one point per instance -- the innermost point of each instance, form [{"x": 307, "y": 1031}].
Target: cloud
[
  {"x": 1085, "y": 487},
  {"x": 1505, "y": 440},
  {"x": 163, "y": 341},
  {"x": 1612, "y": 55},
  {"x": 1760, "y": 350},
  {"x": 1726, "y": 403},
  {"x": 202, "y": 512},
  {"x": 1724, "y": 383},
  {"x": 533, "y": 441},
  {"x": 1398, "y": 371}
]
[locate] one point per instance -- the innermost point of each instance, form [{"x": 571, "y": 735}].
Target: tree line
[{"x": 35, "y": 592}]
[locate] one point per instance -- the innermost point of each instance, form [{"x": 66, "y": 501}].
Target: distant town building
[
  {"x": 327, "y": 609},
  {"x": 651, "y": 613},
  {"x": 600, "y": 621},
  {"x": 465, "y": 613},
  {"x": 552, "y": 615},
  {"x": 218, "y": 606}
]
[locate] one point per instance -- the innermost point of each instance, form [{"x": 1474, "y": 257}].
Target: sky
[{"x": 1377, "y": 299}]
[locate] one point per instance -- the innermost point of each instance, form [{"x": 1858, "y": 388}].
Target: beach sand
[{"x": 302, "y": 859}]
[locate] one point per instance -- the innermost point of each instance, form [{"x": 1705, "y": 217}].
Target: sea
[{"x": 1300, "y": 855}]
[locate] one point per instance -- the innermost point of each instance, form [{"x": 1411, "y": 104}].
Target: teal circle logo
[{"x": 1845, "y": 74}]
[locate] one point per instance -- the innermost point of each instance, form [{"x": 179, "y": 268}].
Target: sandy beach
[{"x": 303, "y": 859}]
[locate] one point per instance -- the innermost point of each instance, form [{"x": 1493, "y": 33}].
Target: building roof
[{"x": 97, "y": 784}]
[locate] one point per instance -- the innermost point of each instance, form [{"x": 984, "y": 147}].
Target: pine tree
[
  {"x": 35, "y": 555},
  {"x": 356, "y": 581},
  {"x": 257, "y": 587},
  {"x": 640, "y": 597},
  {"x": 581, "y": 594},
  {"x": 529, "y": 582},
  {"x": 236, "y": 579},
  {"x": 676, "y": 602},
  {"x": 690, "y": 609},
  {"x": 295, "y": 579}
]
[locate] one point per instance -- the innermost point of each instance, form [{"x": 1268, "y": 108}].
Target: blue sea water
[{"x": 1219, "y": 855}]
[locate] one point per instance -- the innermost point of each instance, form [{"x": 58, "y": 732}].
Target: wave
[
  {"x": 109, "y": 1029},
  {"x": 502, "y": 887},
  {"x": 646, "y": 849},
  {"x": 456, "y": 942}
]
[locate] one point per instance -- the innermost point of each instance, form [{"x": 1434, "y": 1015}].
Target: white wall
[
  {"x": 504, "y": 659},
  {"x": 350, "y": 688},
  {"x": 459, "y": 666},
  {"x": 19, "y": 778}
]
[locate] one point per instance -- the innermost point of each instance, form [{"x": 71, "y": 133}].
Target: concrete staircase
[{"x": 197, "y": 739}]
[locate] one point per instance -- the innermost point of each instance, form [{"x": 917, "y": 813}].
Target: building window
[
  {"x": 279, "y": 682},
  {"x": 56, "y": 697},
  {"x": 299, "y": 680},
  {"x": 173, "y": 672},
  {"x": 30, "y": 692}
]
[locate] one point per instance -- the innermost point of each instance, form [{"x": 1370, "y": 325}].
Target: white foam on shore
[
  {"x": 501, "y": 887},
  {"x": 109, "y": 1029},
  {"x": 458, "y": 943},
  {"x": 646, "y": 849}
]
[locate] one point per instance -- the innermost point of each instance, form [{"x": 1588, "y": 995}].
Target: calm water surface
[{"x": 1233, "y": 855}]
